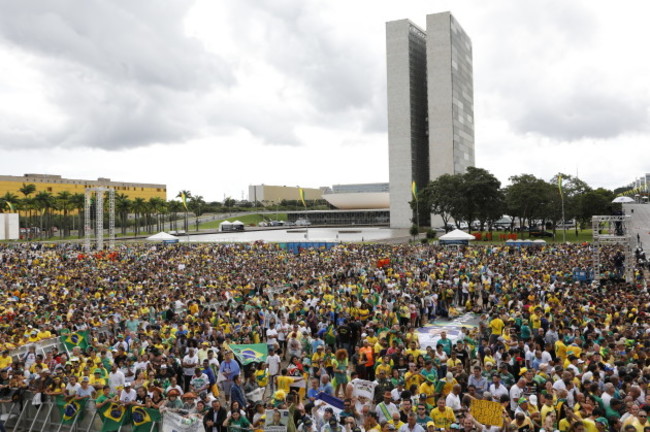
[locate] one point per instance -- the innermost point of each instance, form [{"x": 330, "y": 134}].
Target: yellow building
[
  {"x": 55, "y": 184},
  {"x": 268, "y": 195}
]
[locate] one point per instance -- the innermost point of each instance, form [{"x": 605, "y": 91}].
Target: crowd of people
[{"x": 555, "y": 352}]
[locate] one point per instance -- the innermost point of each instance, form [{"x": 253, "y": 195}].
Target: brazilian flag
[
  {"x": 114, "y": 416},
  {"x": 142, "y": 419},
  {"x": 70, "y": 411},
  {"x": 76, "y": 339},
  {"x": 250, "y": 353}
]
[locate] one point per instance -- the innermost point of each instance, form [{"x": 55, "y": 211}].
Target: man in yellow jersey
[{"x": 442, "y": 415}]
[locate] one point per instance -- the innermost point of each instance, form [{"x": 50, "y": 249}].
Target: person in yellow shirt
[
  {"x": 442, "y": 415},
  {"x": 284, "y": 382},
  {"x": 496, "y": 328},
  {"x": 96, "y": 380},
  {"x": 413, "y": 377},
  {"x": 5, "y": 359}
]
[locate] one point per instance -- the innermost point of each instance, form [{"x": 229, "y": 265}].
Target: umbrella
[{"x": 623, "y": 199}]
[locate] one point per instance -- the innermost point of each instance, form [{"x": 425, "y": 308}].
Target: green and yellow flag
[
  {"x": 71, "y": 410},
  {"x": 142, "y": 418},
  {"x": 414, "y": 190},
  {"x": 301, "y": 192},
  {"x": 114, "y": 416},
  {"x": 250, "y": 353},
  {"x": 184, "y": 200},
  {"x": 76, "y": 339}
]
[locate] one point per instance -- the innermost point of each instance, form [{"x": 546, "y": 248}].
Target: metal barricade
[{"x": 45, "y": 417}]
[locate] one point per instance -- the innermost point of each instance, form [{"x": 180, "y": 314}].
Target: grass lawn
[{"x": 251, "y": 219}]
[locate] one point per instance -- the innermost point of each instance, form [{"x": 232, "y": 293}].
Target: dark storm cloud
[
  {"x": 584, "y": 115},
  {"x": 122, "y": 73}
]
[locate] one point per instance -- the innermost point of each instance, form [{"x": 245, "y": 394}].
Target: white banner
[
  {"x": 256, "y": 395},
  {"x": 363, "y": 388},
  {"x": 173, "y": 422}
]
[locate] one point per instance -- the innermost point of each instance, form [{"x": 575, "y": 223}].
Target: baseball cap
[{"x": 429, "y": 424}]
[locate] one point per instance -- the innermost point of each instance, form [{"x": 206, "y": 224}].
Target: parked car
[{"x": 303, "y": 222}]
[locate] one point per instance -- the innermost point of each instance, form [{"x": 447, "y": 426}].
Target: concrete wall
[{"x": 9, "y": 227}]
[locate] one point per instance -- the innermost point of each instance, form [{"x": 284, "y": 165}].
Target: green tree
[
  {"x": 174, "y": 207},
  {"x": 481, "y": 197},
  {"x": 440, "y": 196},
  {"x": 526, "y": 198},
  {"x": 139, "y": 209},
  {"x": 27, "y": 190},
  {"x": 197, "y": 205},
  {"x": 44, "y": 202},
  {"x": 78, "y": 203},
  {"x": 63, "y": 203},
  {"x": 187, "y": 195},
  {"x": 594, "y": 202},
  {"x": 8, "y": 200},
  {"x": 123, "y": 207}
]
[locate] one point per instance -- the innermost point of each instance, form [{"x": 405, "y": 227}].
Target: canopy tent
[
  {"x": 225, "y": 226},
  {"x": 238, "y": 225},
  {"x": 163, "y": 237},
  {"x": 456, "y": 237},
  {"x": 623, "y": 199}
]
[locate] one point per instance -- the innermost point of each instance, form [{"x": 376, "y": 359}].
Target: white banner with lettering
[{"x": 363, "y": 388}]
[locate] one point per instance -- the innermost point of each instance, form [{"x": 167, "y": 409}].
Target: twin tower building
[{"x": 430, "y": 107}]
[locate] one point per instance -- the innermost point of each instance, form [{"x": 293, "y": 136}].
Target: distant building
[
  {"x": 55, "y": 184},
  {"x": 268, "y": 195},
  {"x": 430, "y": 106},
  {"x": 358, "y": 196}
]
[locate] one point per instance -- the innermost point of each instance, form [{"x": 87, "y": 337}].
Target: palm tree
[
  {"x": 158, "y": 207},
  {"x": 64, "y": 204},
  {"x": 44, "y": 201},
  {"x": 8, "y": 201},
  {"x": 78, "y": 203},
  {"x": 174, "y": 207},
  {"x": 185, "y": 196},
  {"x": 139, "y": 208},
  {"x": 123, "y": 206},
  {"x": 27, "y": 190},
  {"x": 196, "y": 205}
]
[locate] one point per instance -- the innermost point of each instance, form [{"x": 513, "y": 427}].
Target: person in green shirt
[
  {"x": 237, "y": 422},
  {"x": 105, "y": 397}
]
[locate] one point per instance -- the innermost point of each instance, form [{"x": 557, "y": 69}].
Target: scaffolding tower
[
  {"x": 613, "y": 230},
  {"x": 99, "y": 192}
]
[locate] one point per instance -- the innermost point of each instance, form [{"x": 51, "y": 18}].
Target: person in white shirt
[
  {"x": 128, "y": 394},
  {"x": 453, "y": 399},
  {"x": 190, "y": 362},
  {"x": 516, "y": 391},
  {"x": 72, "y": 386},
  {"x": 387, "y": 408},
  {"x": 116, "y": 379},
  {"x": 274, "y": 361}
]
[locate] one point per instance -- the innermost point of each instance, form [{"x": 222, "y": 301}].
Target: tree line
[
  {"x": 45, "y": 214},
  {"x": 476, "y": 197}
]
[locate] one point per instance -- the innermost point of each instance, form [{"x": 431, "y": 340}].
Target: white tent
[
  {"x": 225, "y": 226},
  {"x": 457, "y": 235},
  {"x": 238, "y": 223},
  {"x": 162, "y": 236}
]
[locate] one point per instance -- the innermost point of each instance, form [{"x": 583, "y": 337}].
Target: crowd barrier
[{"x": 45, "y": 417}]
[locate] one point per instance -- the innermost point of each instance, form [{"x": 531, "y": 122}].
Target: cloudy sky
[{"x": 215, "y": 95}]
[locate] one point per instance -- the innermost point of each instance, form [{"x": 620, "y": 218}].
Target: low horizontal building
[
  {"x": 359, "y": 196},
  {"x": 55, "y": 184}
]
